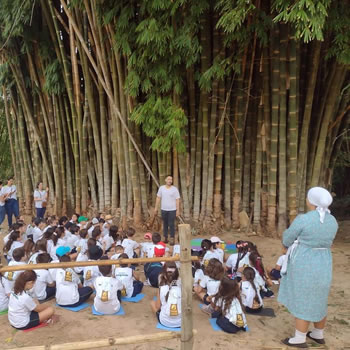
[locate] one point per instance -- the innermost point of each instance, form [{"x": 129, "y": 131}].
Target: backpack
[{"x": 173, "y": 305}]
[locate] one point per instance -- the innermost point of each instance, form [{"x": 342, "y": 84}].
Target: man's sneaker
[
  {"x": 165, "y": 240},
  {"x": 172, "y": 241}
]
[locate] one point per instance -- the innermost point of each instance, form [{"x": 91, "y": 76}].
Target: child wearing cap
[
  {"x": 220, "y": 254},
  {"x": 95, "y": 222},
  {"x": 82, "y": 221},
  {"x": 70, "y": 291},
  {"x": 145, "y": 246}
]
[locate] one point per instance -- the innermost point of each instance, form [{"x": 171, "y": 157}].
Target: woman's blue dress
[{"x": 305, "y": 287}]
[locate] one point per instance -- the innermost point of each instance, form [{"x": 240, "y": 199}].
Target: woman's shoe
[
  {"x": 318, "y": 341},
  {"x": 301, "y": 345}
]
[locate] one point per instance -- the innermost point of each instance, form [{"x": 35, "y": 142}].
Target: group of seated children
[{"x": 227, "y": 287}]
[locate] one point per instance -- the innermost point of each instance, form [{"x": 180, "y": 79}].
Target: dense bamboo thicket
[{"x": 244, "y": 102}]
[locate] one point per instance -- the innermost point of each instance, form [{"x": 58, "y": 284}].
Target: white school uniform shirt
[
  {"x": 207, "y": 257},
  {"x": 166, "y": 320},
  {"x": 8, "y": 189},
  {"x": 4, "y": 291},
  {"x": 70, "y": 239},
  {"x": 60, "y": 243},
  {"x": 81, "y": 257},
  {"x": 32, "y": 259},
  {"x": 10, "y": 277},
  {"x": 37, "y": 234},
  {"x": 105, "y": 229},
  {"x": 235, "y": 313},
  {"x": 124, "y": 276},
  {"x": 106, "y": 300},
  {"x": 42, "y": 196},
  {"x": 7, "y": 237},
  {"x": 198, "y": 276},
  {"x": 258, "y": 280},
  {"x": 144, "y": 248},
  {"x": 15, "y": 245},
  {"x": 81, "y": 245},
  {"x": 43, "y": 279},
  {"x": 67, "y": 282},
  {"x": 20, "y": 308},
  {"x": 244, "y": 262},
  {"x": 168, "y": 197},
  {"x": 219, "y": 254},
  {"x": 90, "y": 274},
  {"x": 248, "y": 294},
  {"x": 210, "y": 284},
  {"x": 108, "y": 240},
  {"x": 29, "y": 230},
  {"x": 281, "y": 259},
  {"x": 90, "y": 231},
  {"x": 129, "y": 246},
  {"x": 53, "y": 271}
]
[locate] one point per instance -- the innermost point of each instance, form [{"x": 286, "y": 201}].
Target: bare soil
[{"x": 264, "y": 333}]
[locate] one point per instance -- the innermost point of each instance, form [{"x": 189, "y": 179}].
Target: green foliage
[
  {"x": 307, "y": 16},
  {"x": 54, "y": 83},
  {"x": 163, "y": 121}
]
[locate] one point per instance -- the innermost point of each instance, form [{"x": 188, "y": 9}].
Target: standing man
[
  {"x": 169, "y": 197},
  {"x": 2, "y": 205},
  {"x": 11, "y": 203}
]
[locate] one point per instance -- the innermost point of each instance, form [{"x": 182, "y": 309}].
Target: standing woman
[
  {"x": 11, "y": 203},
  {"x": 307, "y": 278},
  {"x": 40, "y": 200}
]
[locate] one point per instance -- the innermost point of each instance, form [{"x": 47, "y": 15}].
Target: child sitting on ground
[
  {"x": 168, "y": 304},
  {"x": 209, "y": 284},
  {"x": 275, "y": 273},
  {"x": 129, "y": 279},
  {"x": 207, "y": 252},
  {"x": 131, "y": 247},
  {"x": 4, "y": 295},
  {"x": 153, "y": 270},
  {"x": 40, "y": 247},
  {"x": 14, "y": 241},
  {"x": 44, "y": 287},
  {"x": 235, "y": 259},
  {"x": 228, "y": 308},
  {"x": 217, "y": 242},
  {"x": 90, "y": 273},
  {"x": 251, "y": 298},
  {"x": 24, "y": 311},
  {"x": 70, "y": 291},
  {"x": 107, "y": 290},
  {"x": 19, "y": 258}
]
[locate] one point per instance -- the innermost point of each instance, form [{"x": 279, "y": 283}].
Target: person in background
[
  {"x": 2, "y": 204},
  {"x": 168, "y": 198},
  {"x": 40, "y": 200},
  {"x": 11, "y": 203}
]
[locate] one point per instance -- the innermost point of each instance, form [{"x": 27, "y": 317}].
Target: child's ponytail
[
  {"x": 13, "y": 237},
  {"x": 249, "y": 275},
  {"x": 242, "y": 248}
]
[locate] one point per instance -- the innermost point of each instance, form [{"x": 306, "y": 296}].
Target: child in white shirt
[
  {"x": 69, "y": 290},
  {"x": 44, "y": 287},
  {"x": 129, "y": 279},
  {"x": 81, "y": 244},
  {"x": 90, "y": 273},
  {"x": 275, "y": 273},
  {"x": 111, "y": 239},
  {"x": 37, "y": 229},
  {"x": 14, "y": 241},
  {"x": 40, "y": 247},
  {"x": 237, "y": 260},
  {"x": 130, "y": 246},
  {"x": 57, "y": 241},
  {"x": 217, "y": 242},
  {"x": 4, "y": 294},
  {"x": 209, "y": 284},
  {"x": 207, "y": 252},
  {"x": 228, "y": 309},
  {"x": 251, "y": 298},
  {"x": 24, "y": 312},
  {"x": 107, "y": 290},
  {"x": 167, "y": 307},
  {"x": 19, "y": 258}
]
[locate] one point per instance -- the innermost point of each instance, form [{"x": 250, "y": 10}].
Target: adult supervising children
[
  {"x": 11, "y": 203},
  {"x": 168, "y": 198}
]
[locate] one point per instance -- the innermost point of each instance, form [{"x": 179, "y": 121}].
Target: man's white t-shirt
[
  {"x": 42, "y": 196},
  {"x": 106, "y": 299},
  {"x": 168, "y": 197},
  {"x": 20, "y": 308},
  {"x": 43, "y": 279}
]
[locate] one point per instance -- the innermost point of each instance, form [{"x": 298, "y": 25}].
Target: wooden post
[
  {"x": 186, "y": 287},
  {"x": 107, "y": 342}
]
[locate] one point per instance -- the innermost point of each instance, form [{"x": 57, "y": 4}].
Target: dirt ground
[{"x": 264, "y": 332}]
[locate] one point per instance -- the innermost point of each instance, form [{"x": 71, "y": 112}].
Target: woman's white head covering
[{"x": 322, "y": 199}]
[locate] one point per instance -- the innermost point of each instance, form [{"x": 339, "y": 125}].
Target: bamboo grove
[{"x": 244, "y": 102}]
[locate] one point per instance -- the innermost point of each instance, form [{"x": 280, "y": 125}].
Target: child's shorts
[
  {"x": 275, "y": 274},
  {"x": 205, "y": 300},
  {"x": 33, "y": 322}
]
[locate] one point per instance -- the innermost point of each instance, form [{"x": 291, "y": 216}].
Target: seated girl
[
  {"x": 107, "y": 290},
  {"x": 14, "y": 241},
  {"x": 238, "y": 259},
  {"x": 4, "y": 294},
  {"x": 40, "y": 247},
  {"x": 24, "y": 312},
  {"x": 251, "y": 298},
  {"x": 275, "y": 273},
  {"x": 44, "y": 286},
  {"x": 167, "y": 307},
  {"x": 210, "y": 282},
  {"x": 207, "y": 251},
  {"x": 129, "y": 279},
  {"x": 69, "y": 290},
  {"x": 228, "y": 308}
]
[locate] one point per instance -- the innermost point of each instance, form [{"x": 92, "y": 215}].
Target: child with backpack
[{"x": 167, "y": 307}]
